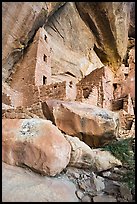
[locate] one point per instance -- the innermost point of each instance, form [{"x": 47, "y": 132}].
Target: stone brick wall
[
  {"x": 87, "y": 84},
  {"x": 43, "y": 63},
  {"x": 30, "y": 95},
  {"x": 6, "y": 99},
  {"x": 128, "y": 105},
  {"x": 19, "y": 112},
  {"x": 71, "y": 90},
  {"x": 79, "y": 95},
  {"x": 33, "y": 70},
  {"x": 125, "y": 120},
  {"x": 107, "y": 83},
  {"x": 36, "y": 109},
  {"x": 53, "y": 91},
  {"x": 93, "y": 97},
  {"x": 97, "y": 88}
]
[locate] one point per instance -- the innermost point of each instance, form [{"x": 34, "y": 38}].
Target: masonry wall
[
  {"x": 19, "y": 112},
  {"x": 79, "y": 95},
  {"x": 33, "y": 70},
  {"x": 71, "y": 90},
  {"x": 25, "y": 70},
  {"x": 107, "y": 82},
  {"x": 125, "y": 120},
  {"x": 93, "y": 97},
  {"x": 88, "y": 85},
  {"x": 30, "y": 95},
  {"x": 56, "y": 90},
  {"x": 6, "y": 99},
  {"x": 128, "y": 105},
  {"x": 43, "y": 63}
]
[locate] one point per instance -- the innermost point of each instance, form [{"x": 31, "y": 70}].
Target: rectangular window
[
  {"x": 45, "y": 58},
  {"x": 44, "y": 80},
  {"x": 45, "y": 38}
]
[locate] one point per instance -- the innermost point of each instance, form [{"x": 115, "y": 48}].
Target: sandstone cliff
[
  {"x": 68, "y": 101},
  {"x": 83, "y": 35}
]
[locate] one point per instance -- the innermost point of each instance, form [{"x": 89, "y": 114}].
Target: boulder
[
  {"x": 82, "y": 156},
  {"x": 93, "y": 125},
  {"x": 35, "y": 143},
  {"x": 22, "y": 185}
]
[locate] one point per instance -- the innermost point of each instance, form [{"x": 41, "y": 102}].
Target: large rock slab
[
  {"x": 35, "y": 143},
  {"x": 82, "y": 156},
  {"x": 21, "y": 185},
  {"x": 93, "y": 125}
]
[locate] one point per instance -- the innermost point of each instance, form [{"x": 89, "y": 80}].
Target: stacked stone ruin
[{"x": 33, "y": 83}]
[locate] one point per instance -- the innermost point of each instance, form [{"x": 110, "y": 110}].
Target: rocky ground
[{"x": 71, "y": 185}]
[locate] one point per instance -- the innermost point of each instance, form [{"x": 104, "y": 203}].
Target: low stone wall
[{"x": 52, "y": 91}]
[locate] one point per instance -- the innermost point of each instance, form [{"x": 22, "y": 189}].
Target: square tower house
[{"x": 35, "y": 67}]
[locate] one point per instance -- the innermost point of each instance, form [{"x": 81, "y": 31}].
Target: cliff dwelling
[{"x": 68, "y": 101}]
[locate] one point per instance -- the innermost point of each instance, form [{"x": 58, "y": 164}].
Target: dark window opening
[
  {"x": 70, "y": 84},
  {"x": 86, "y": 92},
  {"x": 45, "y": 38},
  {"x": 126, "y": 75},
  {"x": 117, "y": 104},
  {"x": 44, "y": 80},
  {"x": 129, "y": 125},
  {"x": 45, "y": 58},
  {"x": 115, "y": 86}
]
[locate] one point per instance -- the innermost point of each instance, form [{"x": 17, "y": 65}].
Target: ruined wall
[
  {"x": 19, "y": 112},
  {"x": 97, "y": 88},
  {"x": 25, "y": 69},
  {"x": 94, "y": 79},
  {"x": 79, "y": 95},
  {"x": 31, "y": 95},
  {"x": 125, "y": 78},
  {"x": 128, "y": 105},
  {"x": 71, "y": 90},
  {"x": 93, "y": 97},
  {"x": 107, "y": 81},
  {"x": 43, "y": 64},
  {"x": 125, "y": 120},
  {"x": 6, "y": 99},
  {"x": 33, "y": 70},
  {"x": 56, "y": 90}
]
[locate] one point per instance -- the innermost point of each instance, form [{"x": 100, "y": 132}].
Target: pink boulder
[{"x": 35, "y": 143}]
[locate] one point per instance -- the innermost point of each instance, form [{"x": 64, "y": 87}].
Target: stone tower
[{"x": 34, "y": 69}]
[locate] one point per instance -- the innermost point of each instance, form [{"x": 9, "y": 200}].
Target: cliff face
[
  {"x": 84, "y": 36},
  {"x": 68, "y": 88},
  {"x": 20, "y": 21}
]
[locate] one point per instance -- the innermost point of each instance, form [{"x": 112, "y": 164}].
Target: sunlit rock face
[
  {"x": 93, "y": 125},
  {"x": 83, "y": 35},
  {"x": 109, "y": 22},
  {"x": 35, "y": 143}
]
